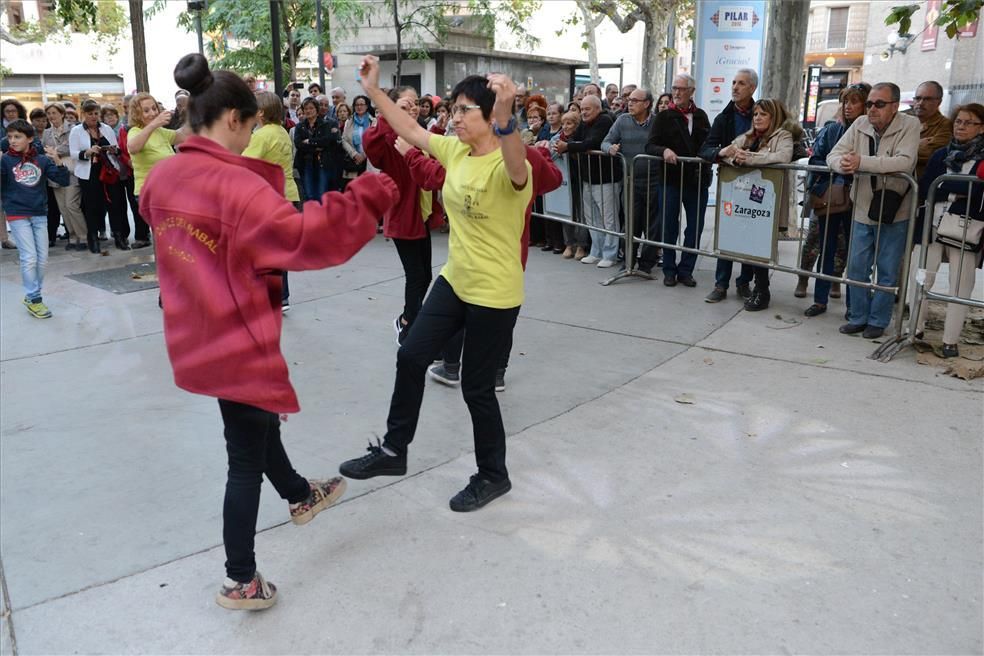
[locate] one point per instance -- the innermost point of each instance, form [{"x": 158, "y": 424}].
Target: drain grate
[{"x": 121, "y": 280}]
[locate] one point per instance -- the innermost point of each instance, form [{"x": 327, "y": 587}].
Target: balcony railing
[{"x": 824, "y": 42}]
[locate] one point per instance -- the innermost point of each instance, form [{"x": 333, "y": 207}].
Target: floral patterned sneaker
[
  {"x": 255, "y": 595},
  {"x": 323, "y": 494}
]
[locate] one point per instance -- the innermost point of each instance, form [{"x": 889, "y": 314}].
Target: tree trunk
[
  {"x": 590, "y": 23},
  {"x": 652, "y": 54},
  {"x": 780, "y": 79},
  {"x": 399, "y": 48},
  {"x": 139, "y": 45},
  {"x": 291, "y": 50}
]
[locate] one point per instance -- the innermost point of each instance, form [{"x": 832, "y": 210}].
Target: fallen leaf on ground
[{"x": 687, "y": 399}]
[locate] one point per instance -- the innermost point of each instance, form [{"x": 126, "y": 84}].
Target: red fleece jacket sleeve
[
  {"x": 272, "y": 235},
  {"x": 426, "y": 172},
  {"x": 377, "y": 142},
  {"x": 546, "y": 175}
]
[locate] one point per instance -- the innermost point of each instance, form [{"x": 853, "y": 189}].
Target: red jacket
[
  {"x": 428, "y": 173},
  {"x": 402, "y": 220},
  {"x": 223, "y": 232}
]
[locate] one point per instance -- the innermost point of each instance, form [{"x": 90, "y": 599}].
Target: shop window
[
  {"x": 15, "y": 12},
  {"x": 837, "y": 27}
]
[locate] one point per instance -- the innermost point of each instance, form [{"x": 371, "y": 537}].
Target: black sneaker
[
  {"x": 377, "y": 463},
  {"x": 500, "y": 380},
  {"x": 446, "y": 374},
  {"x": 759, "y": 300},
  {"x": 687, "y": 281},
  {"x": 852, "y": 328},
  {"x": 477, "y": 493},
  {"x": 873, "y": 332},
  {"x": 744, "y": 290},
  {"x": 716, "y": 296}
]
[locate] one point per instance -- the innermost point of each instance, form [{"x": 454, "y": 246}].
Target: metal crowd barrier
[
  {"x": 921, "y": 292},
  {"x": 632, "y": 236},
  {"x": 578, "y": 169}
]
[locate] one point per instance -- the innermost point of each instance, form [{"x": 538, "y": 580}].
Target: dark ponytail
[{"x": 212, "y": 93}]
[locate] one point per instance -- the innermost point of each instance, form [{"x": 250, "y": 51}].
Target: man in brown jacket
[{"x": 935, "y": 129}]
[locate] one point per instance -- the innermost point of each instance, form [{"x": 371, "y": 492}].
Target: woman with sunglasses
[
  {"x": 486, "y": 190},
  {"x": 964, "y": 155}
]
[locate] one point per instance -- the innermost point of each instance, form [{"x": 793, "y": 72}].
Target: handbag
[
  {"x": 108, "y": 174},
  {"x": 836, "y": 200},
  {"x": 953, "y": 228},
  {"x": 885, "y": 203}
]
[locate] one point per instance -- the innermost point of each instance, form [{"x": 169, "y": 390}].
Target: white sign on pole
[{"x": 747, "y": 212}]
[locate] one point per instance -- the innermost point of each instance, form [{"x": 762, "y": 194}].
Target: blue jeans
[
  {"x": 875, "y": 309},
  {"x": 31, "y": 237},
  {"x": 314, "y": 181},
  {"x": 694, "y": 204},
  {"x": 722, "y": 274},
  {"x": 828, "y": 236}
]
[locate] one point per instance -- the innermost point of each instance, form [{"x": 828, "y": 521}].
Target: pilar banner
[{"x": 729, "y": 37}]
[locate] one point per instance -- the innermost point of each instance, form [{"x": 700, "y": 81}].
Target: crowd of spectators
[{"x": 845, "y": 228}]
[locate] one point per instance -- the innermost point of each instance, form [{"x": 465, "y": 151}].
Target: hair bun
[{"x": 192, "y": 73}]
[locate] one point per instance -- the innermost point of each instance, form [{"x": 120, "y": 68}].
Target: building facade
[
  {"x": 835, "y": 40},
  {"x": 957, "y": 64}
]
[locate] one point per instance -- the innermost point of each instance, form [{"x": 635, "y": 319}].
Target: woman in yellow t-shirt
[
  {"x": 486, "y": 191},
  {"x": 148, "y": 142},
  {"x": 271, "y": 143}
]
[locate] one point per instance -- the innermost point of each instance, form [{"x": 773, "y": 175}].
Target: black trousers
[
  {"x": 97, "y": 200},
  {"x": 141, "y": 231},
  {"x": 54, "y": 215},
  {"x": 487, "y": 332},
  {"x": 254, "y": 448},
  {"x": 452, "y": 350},
  {"x": 415, "y": 255}
]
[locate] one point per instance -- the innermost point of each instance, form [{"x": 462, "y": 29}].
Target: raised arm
[
  {"x": 513, "y": 149},
  {"x": 135, "y": 143},
  {"x": 398, "y": 119}
]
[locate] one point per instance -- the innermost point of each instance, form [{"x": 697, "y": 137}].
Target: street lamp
[
  {"x": 195, "y": 8},
  {"x": 896, "y": 43}
]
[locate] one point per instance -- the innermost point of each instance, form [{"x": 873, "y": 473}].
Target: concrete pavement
[{"x": 806, "y": 499}]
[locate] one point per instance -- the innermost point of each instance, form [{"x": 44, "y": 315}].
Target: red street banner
[{"x": 932, "y": 30}]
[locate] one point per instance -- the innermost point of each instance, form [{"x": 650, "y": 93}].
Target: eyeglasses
[
  {"x": 461, "y": 109},
  {"x": 925, "y": 98},
  {"x": 636, "y": 100},
  {"x": 880, "y": 104},
  {"x": 959, "y": 123},
  {"x": 680, "y": 89}
]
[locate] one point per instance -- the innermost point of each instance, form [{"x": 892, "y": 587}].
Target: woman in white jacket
[
  {"x": 768, "y": 142},
  {"x": 92, "y": 145}
]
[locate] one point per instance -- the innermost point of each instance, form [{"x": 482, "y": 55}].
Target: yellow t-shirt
[
  {"x": 271, "y": 143},
  {"x": 159, "y": 145},
  {"x": 487, "y": 215}
]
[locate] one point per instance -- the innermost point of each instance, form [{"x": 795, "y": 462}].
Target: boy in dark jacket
[{"x": 24, "y": 175}]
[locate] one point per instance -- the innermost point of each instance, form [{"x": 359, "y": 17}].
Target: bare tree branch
[{"x": 623, "y": 23}]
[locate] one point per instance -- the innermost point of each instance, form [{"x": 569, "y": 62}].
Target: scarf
[
  {"x": 745, "y": 112},
  {"x": 958, "y": 154},
  {"x": 683, "y": 110},
  {"x": 27, "y": 154},
  {"x": 359, "y": 125},
  {"x": 756, "y": 138}
]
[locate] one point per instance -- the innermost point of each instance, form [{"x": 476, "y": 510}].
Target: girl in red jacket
[
  {"x": 223, "y": 232},
  {"x": 404, "y": 222}
]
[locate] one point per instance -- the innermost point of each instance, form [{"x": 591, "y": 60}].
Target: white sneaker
[
  {"x": 590, "y": 259},
  {"x": 604, "y": 264}
]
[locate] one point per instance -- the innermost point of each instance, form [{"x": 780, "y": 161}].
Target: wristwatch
[{"x": 509, "y": 129}]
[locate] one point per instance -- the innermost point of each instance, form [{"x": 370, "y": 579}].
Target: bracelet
[{"x": 509, "y": 129}]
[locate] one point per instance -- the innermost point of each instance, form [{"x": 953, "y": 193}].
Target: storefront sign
[{"x": 812, "y": 96}]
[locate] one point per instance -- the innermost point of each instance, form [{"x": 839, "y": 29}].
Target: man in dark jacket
[
  {"x": 734, "y": 120},
  {"x": 601, "y": 178},
  {"x": 679, "y": 132}
]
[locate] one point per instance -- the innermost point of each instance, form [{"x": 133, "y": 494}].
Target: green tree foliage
[
  {"x": 239, "y": 36},
  {"x": 954, "y": 16},
  {"x": 107, "y": 21},
  {"x": 422, "y": 22}
]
